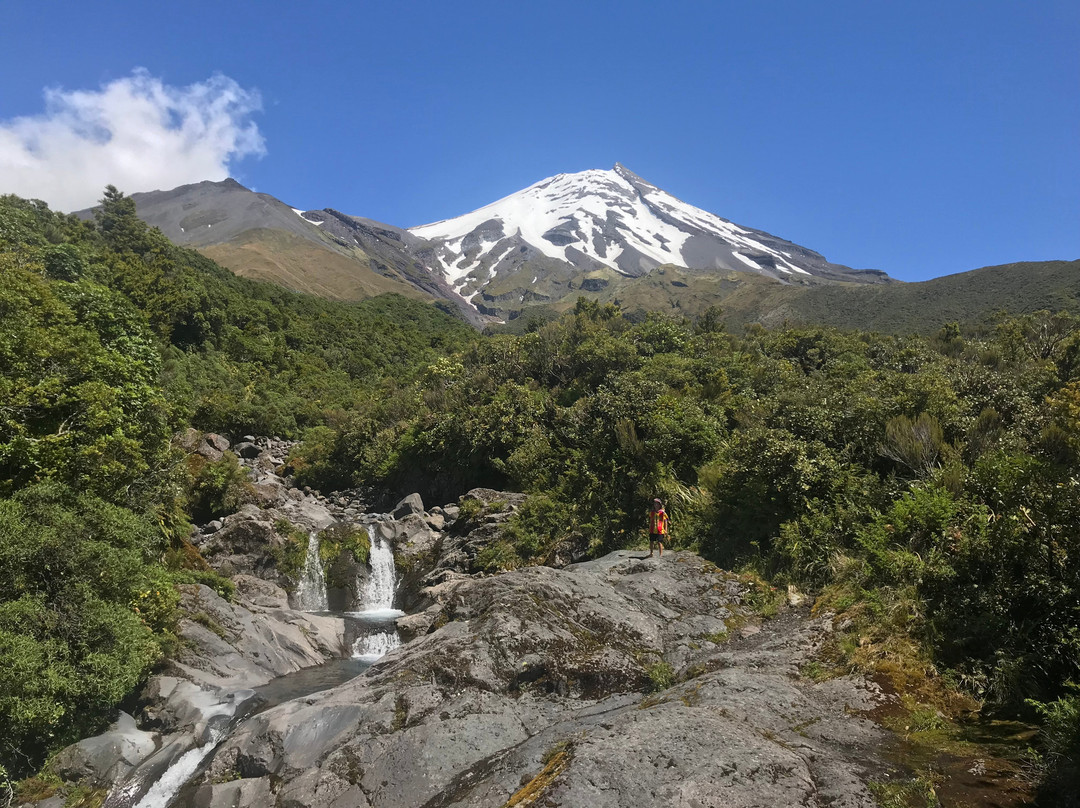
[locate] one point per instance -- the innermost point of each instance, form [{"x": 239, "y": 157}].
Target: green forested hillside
[
  {"x": 925, "y": 486},
  {"x": 111, "y": 340}
]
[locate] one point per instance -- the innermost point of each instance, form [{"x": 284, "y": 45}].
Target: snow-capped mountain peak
[{"x": 595, "y": 219}]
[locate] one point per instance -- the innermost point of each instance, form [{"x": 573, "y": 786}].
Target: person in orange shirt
[{"x": 658, "y": 526}]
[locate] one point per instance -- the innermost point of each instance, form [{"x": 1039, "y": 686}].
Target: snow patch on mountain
[{"x": 591, "y": 218}]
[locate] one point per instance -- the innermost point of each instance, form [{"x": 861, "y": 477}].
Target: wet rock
[{"x": 548, "y": 684}]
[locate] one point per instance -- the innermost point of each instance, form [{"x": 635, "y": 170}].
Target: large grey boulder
[
  {"x": 219, "y": 442},
  {"x": 227, "y": 646},
  {"x": 103, "y": 759},
  {"x": 411, "y": 504},
  {"x": 246, "y": 545},
  {"x": 247, "y": 450}
]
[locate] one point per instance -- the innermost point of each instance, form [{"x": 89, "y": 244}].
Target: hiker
[{"x": 658, "y": 526}]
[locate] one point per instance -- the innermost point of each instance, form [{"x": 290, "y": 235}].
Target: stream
[{"x": 370, "y": 632}]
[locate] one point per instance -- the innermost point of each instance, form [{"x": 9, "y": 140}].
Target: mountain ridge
[{"x": 598, "y": 233}]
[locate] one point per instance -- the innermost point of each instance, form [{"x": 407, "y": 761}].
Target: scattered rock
[
  {"x": 219, "y": 442},
  {"x": 247, "y": 450},
  {"x": 411, "y": 504}
]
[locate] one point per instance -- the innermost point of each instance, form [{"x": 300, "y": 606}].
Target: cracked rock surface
[{"x": 542, "y": 686}]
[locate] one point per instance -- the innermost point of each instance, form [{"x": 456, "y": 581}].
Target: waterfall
[
  {"x": 155, "y": 782},
  {"x": 311, "y": 588},
  {"x": 378, "y": 605},
  {"x": 380, "y": 585},
  {"x": 162, "y": 792}
]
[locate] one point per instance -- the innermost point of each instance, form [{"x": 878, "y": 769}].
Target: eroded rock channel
[
  {"x": 551, "y": 683},
  {"x": 614, "y": 682}
]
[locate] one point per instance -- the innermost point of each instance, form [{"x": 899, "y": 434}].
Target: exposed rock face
[
  {"x": 537, "y": 683},
  {"x": 245, "y": 645},
  {"x": 106, "y": 758},
  {"x": 610, "y": 683}
]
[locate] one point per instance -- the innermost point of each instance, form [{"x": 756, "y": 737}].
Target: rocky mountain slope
[
  {"x": 547, "y": 243},
  {"x": 608, "y": 235},
  {"x": 325, "y": 253}
]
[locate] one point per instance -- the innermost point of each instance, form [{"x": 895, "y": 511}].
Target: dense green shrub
[
  {"x": 217, "y": 488},
  {"x": 111, "y": 340},
  {"x": 1061, "y": 744},
  {"x": 83, "y": 614}
]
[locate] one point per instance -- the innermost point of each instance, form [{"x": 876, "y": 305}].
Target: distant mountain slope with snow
[{"x": 603, "y": 221}]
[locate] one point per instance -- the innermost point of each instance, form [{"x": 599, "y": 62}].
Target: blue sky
[{"x": 922, "y": 138}]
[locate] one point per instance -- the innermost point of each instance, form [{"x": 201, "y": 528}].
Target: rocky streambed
[{"x": 619, "y": 681}]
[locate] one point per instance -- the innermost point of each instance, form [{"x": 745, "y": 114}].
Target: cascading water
[
  {"x": 311, "y": 588},
  {"x": 157, "y": 783},
  {"x": 164, "y": 790},
  {"x": 378, "y": 611},
  {"x": 379, "y": 588}
]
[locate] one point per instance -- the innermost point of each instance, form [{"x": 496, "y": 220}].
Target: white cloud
[{"x": 135, "y": 133}]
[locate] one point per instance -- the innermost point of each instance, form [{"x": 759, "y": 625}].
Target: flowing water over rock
[
  {"x": 162, "y": 792},
  {"x": 380, "y": 636},
  {"x": 169, "y": 782},
  {"x": 311, "y": 588}
]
